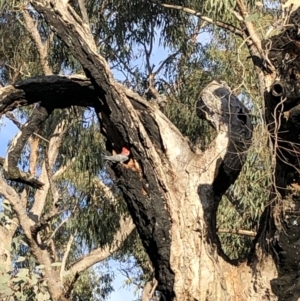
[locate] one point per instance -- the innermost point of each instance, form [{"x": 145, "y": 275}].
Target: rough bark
[
  {"x": 279, "y": 233},
  {"x": 33, "y": 220},
  {"x": 164, "y": 188},
  {"x": 55, "y": 277},
  {"x": 6, "y": 234},
  {"x": 172, "y": 191}
]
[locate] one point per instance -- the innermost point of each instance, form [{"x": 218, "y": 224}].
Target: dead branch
[
  {"x": 57, "y": 91},
  {"x": 239, "y": 232}
]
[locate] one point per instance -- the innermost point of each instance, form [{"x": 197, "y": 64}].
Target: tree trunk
[
  {"x": 7, "y": 232},
  {"x": 279, "y": 233},
  {"x": 173, "y": 190}
]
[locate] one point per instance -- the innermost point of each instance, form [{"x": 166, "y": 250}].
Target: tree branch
[
  {"x": 52, "y": 153},
  {"x": 97, "y": 255},
  {"x": 58, "y": 227},
  {"x": 65, "y": 257},
  {"x": 42, "y": 49},
  {"x": 165, "y": 61},
  {"x": 57, "y": 91},
  {"x": 20, "y": 126},
  {"x": 149, "y": 289},
  {"x": 15, "y": 201},
  {"x": 6, "y": 234},
  {"x": 48, "y": 168},
  {"x": 11, "y": 171},
  {"x": 253, "y": 36},
  {"x": 33, "y": 142},
  {"x": 220, "y": 24},
  {"x": 63, "y": 168}
]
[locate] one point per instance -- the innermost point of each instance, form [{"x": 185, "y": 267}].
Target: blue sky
[{"x": 7, "y": 132}]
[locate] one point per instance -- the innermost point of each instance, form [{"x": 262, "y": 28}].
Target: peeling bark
[
  {"x": 279, "y": 233},
  {"x": 172, "y": 192}
]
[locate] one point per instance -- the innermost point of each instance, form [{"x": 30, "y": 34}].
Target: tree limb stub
[{"x": 228, "y": 115}]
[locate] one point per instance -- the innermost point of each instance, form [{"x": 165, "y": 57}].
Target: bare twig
[
  {"x": 239, "y": 232},
  {"x": 165, "y": 61}
]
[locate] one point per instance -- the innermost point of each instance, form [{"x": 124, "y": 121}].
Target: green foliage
[
  {"x": 99, "y": 282},
  {"x": 242, "y": 206},
  {"x": 126, "y": 32},
  {"x": 181, "y": 109},
  {"x": 25, "y": 280},
  {"x": 132, "y": 257}
]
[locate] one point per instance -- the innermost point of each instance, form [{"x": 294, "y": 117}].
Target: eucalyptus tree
[
  {"x": 172, "y": 184},
  {"x": 57, "y": 213}
]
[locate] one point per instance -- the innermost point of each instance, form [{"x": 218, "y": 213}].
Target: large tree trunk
[
  {"x": 280, "y": 235},
  {"x": 172, "y": 190}
]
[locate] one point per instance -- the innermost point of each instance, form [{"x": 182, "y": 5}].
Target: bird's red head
[{"x": 125, "y": 151}]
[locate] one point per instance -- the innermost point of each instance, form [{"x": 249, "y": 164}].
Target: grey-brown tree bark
[{"x": 171, "y": 188}]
